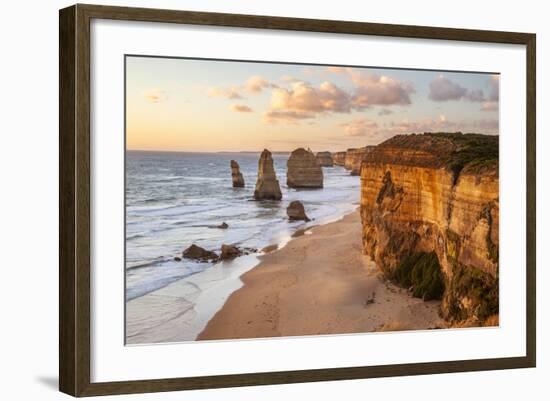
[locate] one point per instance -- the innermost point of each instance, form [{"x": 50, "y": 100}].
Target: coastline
[
  {"x": 319, "y": 284},
  {"x": 191, "y": 302}
]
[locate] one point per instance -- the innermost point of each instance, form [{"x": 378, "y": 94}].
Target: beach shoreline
[
  {"x": 179, "y": 311},
  {"x": 317, "y": 284}
]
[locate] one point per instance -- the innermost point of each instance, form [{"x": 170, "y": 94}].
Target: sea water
[{"x": 176, "y": 199}]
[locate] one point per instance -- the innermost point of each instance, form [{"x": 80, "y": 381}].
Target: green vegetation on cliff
[{"x": 422, "y": 272}]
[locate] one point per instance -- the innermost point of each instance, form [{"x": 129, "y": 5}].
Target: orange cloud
[
  {"x": 274, "y": 116},
  {"x": 376, "y": 90},
  {"x": 305, "y": 101},
  {"x": 360, "y": 127},
  {"x": 155, "y": 95},
  {"x": 240, "y": 108},
  {"x": 254, "y": 85},
  {"x": 227, "y": 93}
]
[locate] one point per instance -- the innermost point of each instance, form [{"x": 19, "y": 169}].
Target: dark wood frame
[{"x": 74, "y": 199}]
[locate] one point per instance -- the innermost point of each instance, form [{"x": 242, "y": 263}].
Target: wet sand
[{"x": 319, "y": 283}]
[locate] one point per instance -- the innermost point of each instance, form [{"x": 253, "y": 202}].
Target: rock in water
[
  {"x": 229, "y": 252},
  {"x": 267, "y": 185},
  {"x": 324, "y": 159},
  {"x": 303, "y": 171},
  {"x": 236, "y": 175},
  {"x": 197, "y": 253},
  {"x": 296, "y": 211},
  {"x": 223, "y": 226}
]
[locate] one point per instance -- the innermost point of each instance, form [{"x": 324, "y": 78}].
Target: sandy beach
[{"x": 320, "y": 283}]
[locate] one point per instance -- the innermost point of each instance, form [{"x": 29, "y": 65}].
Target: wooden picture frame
[{"x": 74, "y": 199}]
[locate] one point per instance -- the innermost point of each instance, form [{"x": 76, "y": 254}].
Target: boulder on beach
[
  {"x": 296, "y": 211},
  {"x": 324, "y": 159},
  {"x": 229, "y": 252},
  {"x": 236, "y": 175},
  {"x": 267, "y": 185},
  {"x": 303, "y": 171},
  {"x": 197, "y": 253}
]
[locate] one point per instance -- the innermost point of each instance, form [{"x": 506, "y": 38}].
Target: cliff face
[
  {"x": 303, "y": 171},
  {"x": 267, "y": 185},
  {"x": 324, "y": 159},
  {"x": 430, "y": 215},
  {"x": 354, "y": 157},
  {"x": 339, "y": 158}
]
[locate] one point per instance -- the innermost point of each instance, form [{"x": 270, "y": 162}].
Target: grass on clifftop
[
  {"x": 474, "y": 151},
  {"x": 422, "y": 272}
]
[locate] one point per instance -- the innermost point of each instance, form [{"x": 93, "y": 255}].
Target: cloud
[
  {"x": 385, "y": 112},
  {"x": 256, "y": 84},
  {"x": 302, "y": 98},
  {"x": 155, "y": 95},
  {"x": 376, "y": 133},
  {"x": 375, "y": 90},
  {"x": 338, "y": 70},
  {"x": 287, "y": 79},
  {"x": 443, "y": 89},
  {"x": 253, "y": 85},
  {"x": 380, "y": 90},
  {"x": 360, "y": 127},
  {"x": 489, "y": 106},
  {"x": 240, "y": 108},
  {"x": 486, "y": 125},
  {"x": 475, "y": 95},
  {"x": 288, "y": 116},
  {"x": 227, "y": 93}
]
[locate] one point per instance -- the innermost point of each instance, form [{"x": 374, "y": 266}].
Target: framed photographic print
[{"x": 250, "y": 200}]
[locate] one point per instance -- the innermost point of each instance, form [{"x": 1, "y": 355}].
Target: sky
[{"x": 197, "y": 105}]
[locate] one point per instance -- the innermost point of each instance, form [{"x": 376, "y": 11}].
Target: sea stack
[
  {"x": 324, "y": 159},
  {"x": 267, "y": 185},
  {"x": 236, "y": 175},
  {"x": 303, "y": 171},
  {"x": 296, "y": 211}
]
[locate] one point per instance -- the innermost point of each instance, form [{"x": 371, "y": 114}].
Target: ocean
[{"x": 174, "y": 199}]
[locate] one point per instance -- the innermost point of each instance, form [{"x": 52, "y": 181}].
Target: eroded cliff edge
[{"x": 430, "y": 215}]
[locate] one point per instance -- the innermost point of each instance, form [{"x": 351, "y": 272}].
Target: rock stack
[
  {"x": 296, "y": 211},
  {"x": 267, "y": 185},
  {"x": 303, "y": 171},
  {"x": 236, "y": 175},
  {"x": 324, "y": 159}
]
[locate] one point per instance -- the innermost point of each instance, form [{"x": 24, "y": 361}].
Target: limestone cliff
[
  {"x": 339, "y": 158},
  {"x": 267, "y": 185},
  {"x": 324, "y": 159},
  {"x": 303, "y": 171},
  {"x": 430, "y": 215},
  {"x": 354, "y": 157}
]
